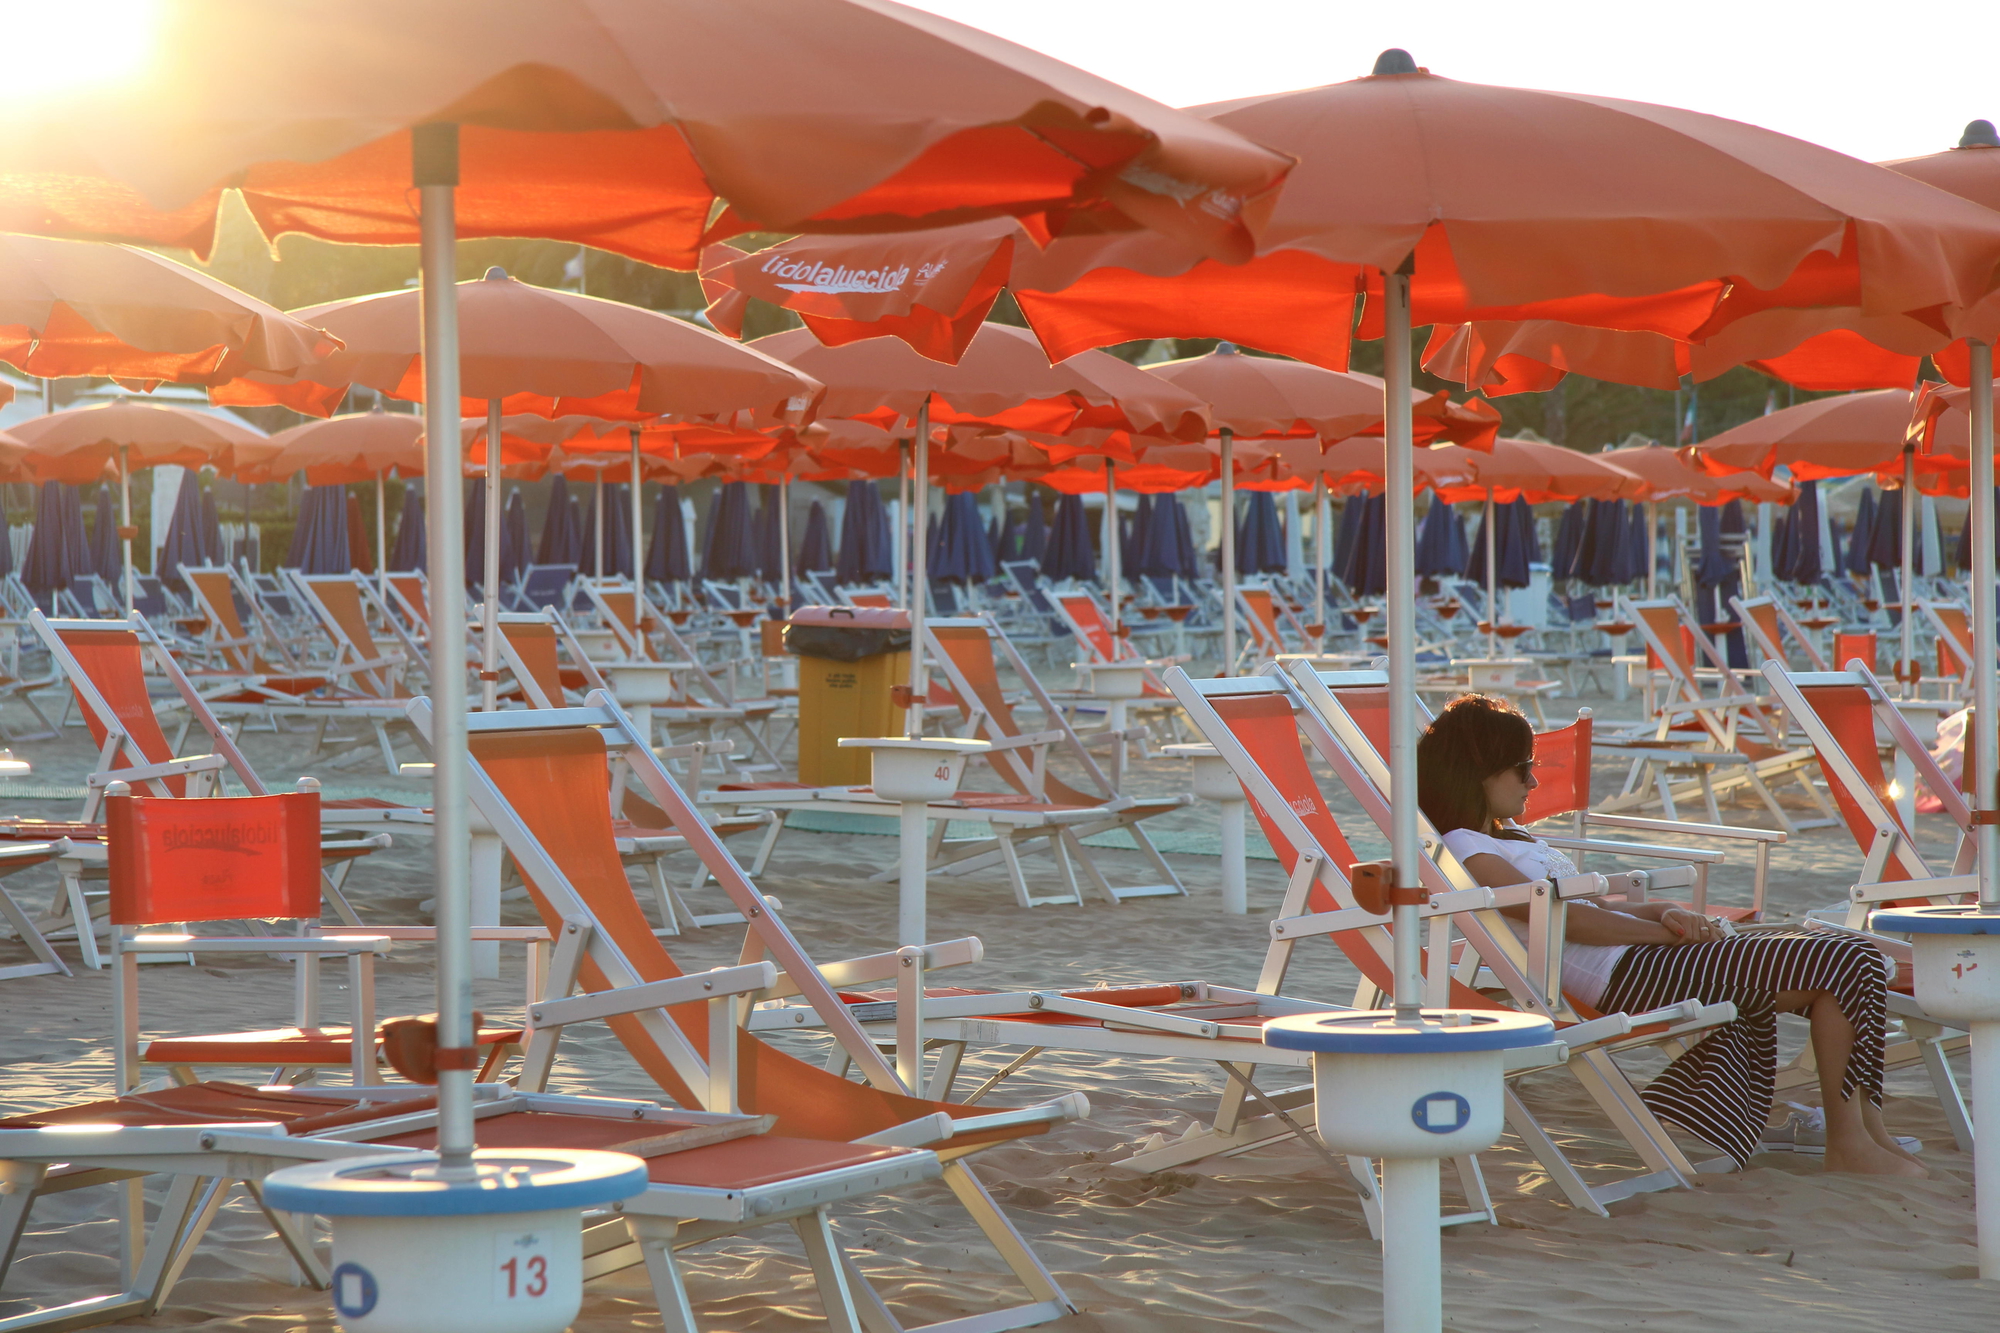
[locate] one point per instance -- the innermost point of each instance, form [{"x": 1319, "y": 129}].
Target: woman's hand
[{"x": 1691, "y": 927}]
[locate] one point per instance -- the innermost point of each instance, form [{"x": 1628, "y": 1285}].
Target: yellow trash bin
[{"x": 850, "y": 658}]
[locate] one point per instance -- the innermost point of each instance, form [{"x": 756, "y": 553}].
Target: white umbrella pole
[
  {"x": 1319, "y": 555},
  {"x": 785, "y": 543},
  {"x": 902, "y": 543},
  {"x": 381, "y": 536},
  {"x": 597, "y": 570},
  {"x": 1985, "y": 700},
  {"x": 489, "y": 610},
  {"x": 125, "y": 522},
  {"x": 435, "y": 163},
  {"x": 919, "y": 569},
  {"x": 638, "y": 519},
  {"x": 1113, "y": 557},
  {"x": 1909, "y": 598},
  {"x": 1652, "y": 554},
  {"x": 1228, "y": 552},
  {"x": 1400, "y": 508},
  {"x": 1492, "y": 584}
]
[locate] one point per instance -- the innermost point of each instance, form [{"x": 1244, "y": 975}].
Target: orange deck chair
[
  {"x": 1769, "y": 624},
  {"x": 1953, "y": 627},
  {"x": 1255, "y": 725},
  {"x": 234, "y": 652},
  {"x": 540, "y": 779}
]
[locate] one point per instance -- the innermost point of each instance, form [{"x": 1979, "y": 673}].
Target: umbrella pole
[
  {"x": 1228, "y": 553},
  {"x": 435, "y": 173},
  {"x": 1985, "y": 699},
  {"x": 1908, "y": 664},
  {"x": 125, "y": 521},
  {"x": 1651, "y": 555},
  {"x": 597, "y": 570},
  {"x": 489, "y": 610},
  {"x": 902, "y": 542},
  {"x": 638, "y": 519},
  {"x": 919, "y": 569},
  {"x": 1400, "y": 511},
  {"x": 1492, "y": 587},
  {"x": 1113, "y": 556},
  {"x": 1319, "y": 557},
  {"x": 785, "y": 542},
  {"x": 381, "y": 536}
]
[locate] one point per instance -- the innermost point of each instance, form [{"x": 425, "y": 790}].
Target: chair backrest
[
  {"x": 544, "y": 585},
  {"x": 214, "y": 590},
  {"x": 621, "y": 609},
  {"x": 225, "y": 859},
  {"x": 1262, "y": 619},
  {"x": 542, "y": 787},
  {"x": 1087, "y": 625},
  {"x": 964, "y": 649},
  {"x": 1027, "y": 576},
  {"x": 1855, "y": 647},
  {"x": 1562, "y": 771},
  {"x": 1768, "y": 623},
  {"x": 411, "y": 595},
  {"x": 1954, "y": 636},
  {"x": 338, "y": 600},
  {"x": 723, "y": 596},
  {"x": 149, "y": 596},
  {"x": 529, "y": 645}
]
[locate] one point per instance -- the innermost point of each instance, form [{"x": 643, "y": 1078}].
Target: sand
[{"x": 1269, "y": 1241}]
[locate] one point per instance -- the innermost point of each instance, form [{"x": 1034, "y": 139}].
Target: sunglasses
[{"x": 1524, "y": 770}]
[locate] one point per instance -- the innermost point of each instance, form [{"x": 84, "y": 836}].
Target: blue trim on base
[
  {"x": 1946, "y": 920},
  {"x": 1376, "y": 1032},
  {"x": 511, "y": 1180}
]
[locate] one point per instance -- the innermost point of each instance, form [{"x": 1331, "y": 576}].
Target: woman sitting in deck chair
[{"x": 1475, "y": 768}]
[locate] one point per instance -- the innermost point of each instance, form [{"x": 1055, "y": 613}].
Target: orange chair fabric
[{"x": 223, "y": 859}]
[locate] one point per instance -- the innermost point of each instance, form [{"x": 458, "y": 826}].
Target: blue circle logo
[
  {"x": 354, "y": 1291},
  {"x": 1441, "y": 1112}
]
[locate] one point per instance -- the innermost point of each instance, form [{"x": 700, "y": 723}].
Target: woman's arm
[{"x": 1591, "y": 923}]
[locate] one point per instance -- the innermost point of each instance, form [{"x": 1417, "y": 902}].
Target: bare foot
[
  {"x": 1871, "y": 1118},
  {"x": 1868, "y": 1158}
]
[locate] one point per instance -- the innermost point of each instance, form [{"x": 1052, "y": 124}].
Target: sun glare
[{"x": 55, "y": 48}]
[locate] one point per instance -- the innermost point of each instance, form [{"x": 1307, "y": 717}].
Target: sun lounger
[
  {"x": 374, "y": 677},
  {"x": 1953, "y": 626},
  {"x": 1255, "y": 725},
  {"x": 538, "y": 778},
  {"x": 1768, "y": 623},
  {"x": 1726, "y": 741},
  {"x": 229, "y": 649}
]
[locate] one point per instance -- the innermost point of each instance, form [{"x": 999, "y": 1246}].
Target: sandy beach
[{"x": 1270, "y": 1241}]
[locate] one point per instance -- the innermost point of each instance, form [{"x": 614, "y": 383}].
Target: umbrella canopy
[
  {"x": 1260, "y": 540},
  {"x": 1941, "y": 426},
  {"x": 667, "y": 552},
  {"x": 811, "y": 140},
  {"x": 541, "y": 352},
  {"x": 408, "y": 552},
  {"x": 1069, "y": 554},
  {"x": 107, "y": 552},
  {"x": 867, "y": 554},
  {"x": 1528, "y": 469},
  {"x": 357, "y": 446},
  {"x": 816, "y": 551},
  {"x": 77, "y": 308},
  {"x": 1441, "y": 545},
  {"x": 319, "y": 541},
  {"x": 1826, "y": 437},
  {"x": 1672, "y": 477},
  {"x": 82, "y": 444},
  {"x": 59, "y": 551},
  {"x": 1004, "y": 379},
  {"x": 729, "y": 543}
]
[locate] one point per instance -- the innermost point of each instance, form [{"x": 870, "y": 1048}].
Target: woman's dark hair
[{"x": 1474, "y": 737}]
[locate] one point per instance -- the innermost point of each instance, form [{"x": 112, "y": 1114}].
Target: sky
[{"x": 1875, "y": 83}]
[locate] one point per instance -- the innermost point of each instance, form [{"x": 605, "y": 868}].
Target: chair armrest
[
  {"x": 1025, "y": 739},
  {"x": 504, "y": 934},
  {"x": 1097, "y": 740},
  {"x": 278, "y": 944},
  {"x": 1645, "y": 824},
  {"x": 1646, "y": 851},
  {"x": 200, "y": 763},
  {"x": 745, "y": 979},
  {"x": 938, "y": 1127},
  {"x": 882, "y": 966}
]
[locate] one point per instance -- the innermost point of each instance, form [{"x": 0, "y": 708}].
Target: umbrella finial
[
  {"x": 1395, "y": 60},
  {"x": 1979, "y": 134},
  {"x": 496, "y": 274},
  {"x": 1226, "y": 349}
]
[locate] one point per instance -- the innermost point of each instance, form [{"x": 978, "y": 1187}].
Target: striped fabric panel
[{"x": 1721, "y": 1089}]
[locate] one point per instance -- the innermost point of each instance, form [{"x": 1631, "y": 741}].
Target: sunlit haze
[
  {"x": 1875, "y": 83},
  {"x": 56, "y": 46}
]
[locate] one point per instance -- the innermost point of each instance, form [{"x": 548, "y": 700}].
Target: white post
[
  {"x": 125, "y": 520},
  {"x": 1113, "y": 555},
  {"x": 1228, "y": 553},
  {"x": 1985, "y": 733},
  {"x": 1652, "y": 549},
  {"x": 434, "y": 154},
  {"x": 785, "y": 542},
  {"x": 381, "y": 536},
  {"x": 1907, "y": 590},
  {"x": 911, "y": 886},
  {"x": 1400, "y": 486},
  {"x": 1412, "y": 1259},
  {"x": 1319, "y": 556},
  {"x": 1235, "y": 882},
  {"x": 900, "y": 545},
  {"x": 489, "y": 610},
  {"x": 638, "y": 524},
  {"x": 597, "y": 570},
  {"x": 1492, "y": 579},
  {"x": 919, "y": 576}
]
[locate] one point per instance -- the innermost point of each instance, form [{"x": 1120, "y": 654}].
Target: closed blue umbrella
[
  {"x": 1184, "y": 540},
  {"x": 1569, "y": 541},
  {"x": 1035, "y": 534},
  {"x": 617, "y": 534},
  {"x": 1514, "y": 545},
  {"x": 211, "y": 529},
  {"x": 1639, "y": 550},
  {"x": 1598, "y": 552},
  {"x": 1962, "y": 557},
  {"x": 1136, "y": 535},
  {"x": 1069, "y": 554},
  {"x": 866, "y": 552},
  {"x": 1260, "y": 539},
  {"x": 667, "y": 553},
  {"x": 961, "y": 552},
  {"x": 412, "y": 547},
  {"x": 56, "y": 553},
  {"x": 1524, "y": 543},
  {"x": 183, "y": 544},
  {"x": 1802, "y": 558},
  {"x": 1368, "y": 563},
  {"x": 561, "y": 541},
  {"x": 319, "y": 542},
  {"x": 1440, "y": 541},
  {"x": 1885, "y": 542},
  {"x": 513, "y": 539},
  {"x": 6, "y": 548},
  {"x": 108, "y": 553},
  {"x": 1863, "y": 539},
  {"x": 1158, "y": 555},
  {"x": 475, "y": 532},
  {"x": 770, "y": 543},
  {"x": 729, "y": 547},
  {"x": 816, "y": 551},
  {"x": 1008, "y": 546},
  {"x": 1345, "y": 536}
]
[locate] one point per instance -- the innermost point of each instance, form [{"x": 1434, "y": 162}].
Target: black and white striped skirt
[{"x": 1721, "y": 1089}]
